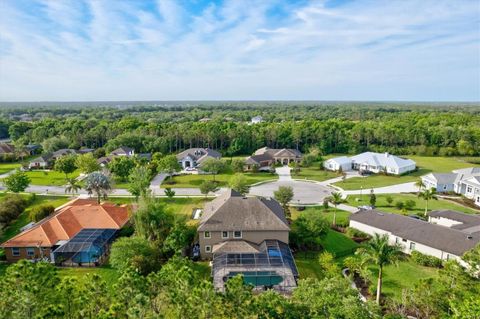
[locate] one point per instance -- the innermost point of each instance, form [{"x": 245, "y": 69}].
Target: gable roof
[
  {"x": 257, "y": 159},
  {"x": 442, "y": 178},
  {"x": 6, "y": 148},
  {"x": 446, "y": 239},
  {"x": 231, "y": 211},
  {"x": 68, "y": 220},
  {"x": 122, "y": 150},
  {"x": 468, "y": 171},
  {"x": 43, "y": 158},
  {"x": 469, "y": 223},
  {"x": 63, "y": 151},
  {"x": 235, "y": 246},
  {"x": 276, "y": 152},
  {"x": 199, "y": 154},
  {"x": 341, "y": 160},
  {"x": 382, "y": 159}
]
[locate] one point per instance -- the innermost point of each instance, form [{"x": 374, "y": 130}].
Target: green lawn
[
  {"x": 194, "y": 180},
  {"x": 120, "y": 184},
  {"x": 419, "y": 207},
  {"x": 425, "y": 165},
  {"x": 7, "y": 167},
  {"x": 109, "y": 274},
  {"x": 314, "y": 173},
  {"x": 402, "y": 276},
  {"x": 342, "y": 216},
  {"x": 14, "y": 228},
  {"x": 49, "y": 178}
]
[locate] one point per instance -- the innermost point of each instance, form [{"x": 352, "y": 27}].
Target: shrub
[
  {"x": 399, "y": 205},
  {"x": 40, "y": 212},
  {"x": 134, "y": 252},
  {"x": 410, "y": 204},
  {"x": 425, "y": 260},
  {"x": 11, "y": 207},
  {"x": 355, "y": 233}
]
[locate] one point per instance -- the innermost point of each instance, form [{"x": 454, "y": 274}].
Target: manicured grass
[
  {"x": 419, "y": 208},
  {"x": 402, "y": 276},
  {"x": 14, "y": 228},
  {"x": 314, "y": 173},
  {"x": 184, "y": 206},
  {"x": 120, "y": 184},
  {"x": 109, "y": 274},
  {"x": 49, "y": 178},
  {"x": 194, "y": 180},
  {"x": 425, "y": 165},
  {"x": 342, "y": 216},
  {"x": 7, "y": 167},
  {"x": 203, "y": 268}
]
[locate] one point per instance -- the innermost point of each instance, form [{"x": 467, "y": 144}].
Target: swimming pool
[{"x": 257, "y": 278}]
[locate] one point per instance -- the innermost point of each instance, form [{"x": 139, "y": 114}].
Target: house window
[
  {"x": 444, "y": 187},
  {"x": 237, "y": 234},
  {"x": 30, "y": 251},
  {"x": 469, "y": 189},
  {"x": 15, "y": 251},
  {"x": 412, "y": 246},
  {"x": 224, "y": 234},
  {"x": 448, "y": 257},
  {"x": 404, "y": 240},
  {"x": 397, "y": 240},
  {"x": 208, "y": 249},
  {"x": 206, "y": 234}
]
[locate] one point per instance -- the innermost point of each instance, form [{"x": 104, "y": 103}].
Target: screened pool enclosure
[
  {"x": 87, "y": 248},
  {"x": 272, "y": 267}
]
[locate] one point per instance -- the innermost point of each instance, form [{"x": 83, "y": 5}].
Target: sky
[{"x": 102, "y": 50}]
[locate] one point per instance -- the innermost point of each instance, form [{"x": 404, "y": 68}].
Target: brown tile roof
[
  {"x": 68, "y": 220},
  {"x": 231, "y": 211}
]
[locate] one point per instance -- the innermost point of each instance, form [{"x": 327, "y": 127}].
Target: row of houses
[{"x": 465, "y": 182}]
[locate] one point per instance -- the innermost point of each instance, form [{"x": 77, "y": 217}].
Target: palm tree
[
  {"x": 335, "y": 199},
  {"x": 427, "y": 194},
  {"x": 99, "y": 184},
  {"x": 419, "y": 184},
  {"x": 381, "y": 254},
  {"x": 72, "y": 186}
]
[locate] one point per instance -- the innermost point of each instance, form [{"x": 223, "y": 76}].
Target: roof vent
[{"x": 469, "y": 237}]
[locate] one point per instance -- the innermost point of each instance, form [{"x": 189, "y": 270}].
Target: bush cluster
[
  {"x": 355, "y": 233},
  {"x": 40, "y": 212},
  {"x": 425, "y": 260},
  {"x": 11, "y": 207}
]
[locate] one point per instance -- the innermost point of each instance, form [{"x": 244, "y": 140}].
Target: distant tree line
[{"x": 399, "y": 129}]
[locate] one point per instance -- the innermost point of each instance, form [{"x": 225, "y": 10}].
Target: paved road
[
  {"x": 393, "y": 189},
  {"x": 304, "y": 192}
]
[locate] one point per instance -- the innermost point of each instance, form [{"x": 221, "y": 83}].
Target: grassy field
[
  {"x": 7, "y": 167},
  {"x": 425, "y": 165},
  {"x": 314, "y": 173},
  {"x": 342, "y": 216},
  {"x": 49, "y": 178},
  {"x": 194, "y": 180},
  {"x": 14, "y": 228},
  {"x": 419, "y": 207}
]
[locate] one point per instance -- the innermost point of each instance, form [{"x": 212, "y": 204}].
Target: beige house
[
  {"x": 265, "y": 157},
  {"x": 247, "y": 236}
]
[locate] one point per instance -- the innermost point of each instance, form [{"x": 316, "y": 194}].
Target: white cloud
[{"x": 111, "y": 50}]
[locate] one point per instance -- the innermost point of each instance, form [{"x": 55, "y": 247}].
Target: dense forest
[{"x": 333, "y": 128}]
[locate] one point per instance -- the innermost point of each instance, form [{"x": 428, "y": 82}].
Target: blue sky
[{"x": 60, "y": 50}]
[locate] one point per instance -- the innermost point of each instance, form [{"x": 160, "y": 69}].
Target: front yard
[
  {"x": 49, "y": 178},
  {"x": 419, "y": 208},
  {"x": 7, "y": 167},
  {"x": 315, "y": 174},
  {"x": 194, "y": 180}
]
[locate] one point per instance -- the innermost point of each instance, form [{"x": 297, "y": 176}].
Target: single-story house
[
  {"x": 41, "y": 240},
  {"x": 377, "y": 163},
  {"x": 193, "y": 157},
  {"x": 41, "y": 162},
  {"x": 103, "y": 161},
  {"x": 342, "y": 163},
  {"x": 441, "y": 182},
  {"x": 249, "y": 236},
  {"x": 123, "y": 151},
  {"x": 470, "y": 188},
  {"x": 265, "y": 157},
  {"x": 7, "y": 149},
  {"x": 85, "y": 150},
  {"x": 257, "y": 119},
  {"x": 63, "y": 152},
  {"x": 429, "y": 238}
]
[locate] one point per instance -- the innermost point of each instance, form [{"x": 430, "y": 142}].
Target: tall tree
[
  {"x": 213, "y": 166},
  {"x": 139, "y": 181},
  {"x": 419, "y": 184},
  {"x": 427, "y": 194},
  {"x": 381, "y": 254},
  {"x": 208, "y": 187},
  {"x": 169, "y": 164},
  {"x": 284, "y": 195},
  {"x": 16, "y": 182},
  {"x": 335, "y": 199},
  {"x": 66, "y": 164},
  {"x": 73, "y": 186},
  {"x": 239, "y": 183},
  {"x": 121, "y": 166},
  {"x": 87, "y": 163},
  {"x": 99, "y": 184}
]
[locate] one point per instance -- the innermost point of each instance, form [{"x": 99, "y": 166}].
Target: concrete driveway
[{"x": 304, "y": 192}]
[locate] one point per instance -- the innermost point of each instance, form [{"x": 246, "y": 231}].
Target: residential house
[
  {"x": 85, "y": 151},
  {"x": 247, "y": 235},
  {"x": 342, "y": 163},
  {"x": 63, "y": 152},
  {"x": 438, "y": 238},
  {"x": 265, "y": 157},
  {"x": 440, "y": 182},
  {"x": 194, "y": 157},
  {"x": 7, "y": 150},
  {"x": 41, "y": 240},
  {"x": 103, "y": 161},
  {"x": 377, "y": 163},
  {"x": 123, "y": 151},
  {"x": 41, "y": 162},
  {"x": 256, "y": 119}
]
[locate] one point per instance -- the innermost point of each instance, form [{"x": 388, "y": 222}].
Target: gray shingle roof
[
  {"x": 450, "y": 240},
  {"x": 467, "y": 220},
  {"x": 199, "y": 154},
  {"x": 231, "y": 211}
]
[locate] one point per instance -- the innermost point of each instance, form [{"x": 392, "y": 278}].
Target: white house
[
  {"x": 335, "y": 164},
  {"x": 123, "y": 151},
  {"x": 441, "y": 182},
  {"x": 430, "y": 238},
  {"x": 257, "y": 119},
  {"x": 193, "y": 157},
  {"x": 40, "y": 162},
  {"x": 470, "y": 188}
]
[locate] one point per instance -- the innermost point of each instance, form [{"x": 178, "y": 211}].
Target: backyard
[
  {"x": 194, "y": 180},
  {"x": 419, "y": 208},
  {"x": 425, "y": 165}
]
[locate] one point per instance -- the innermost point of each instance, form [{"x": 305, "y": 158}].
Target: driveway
[
  {"x": 392, "y": 189},
  {"x": 304, "y": 192}
]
